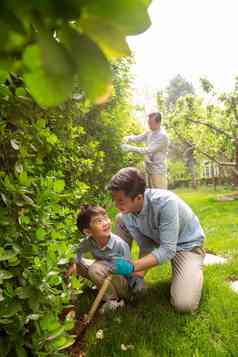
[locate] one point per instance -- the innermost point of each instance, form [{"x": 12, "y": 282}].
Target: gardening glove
[
  {"x": 122, "y": 266},
  {"x": 127, "y": 148},
  {"x": 125, "y": 139}
]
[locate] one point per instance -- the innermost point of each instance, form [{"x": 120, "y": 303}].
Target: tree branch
[
  {"x": 221, "y": 163},
  {"x": 211, "y": 126}
]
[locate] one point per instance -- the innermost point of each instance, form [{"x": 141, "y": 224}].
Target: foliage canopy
[{"x": 50, "y": 43}]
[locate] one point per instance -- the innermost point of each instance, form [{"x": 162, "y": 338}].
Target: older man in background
[{"x": 155, "y": 151}]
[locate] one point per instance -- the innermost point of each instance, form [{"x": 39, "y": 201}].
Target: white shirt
[{"x": 155, "y": 152}]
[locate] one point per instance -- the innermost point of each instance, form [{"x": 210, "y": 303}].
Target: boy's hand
[
  {"x": 122, "y": 267},
  {"x": 72, "y": 269}
]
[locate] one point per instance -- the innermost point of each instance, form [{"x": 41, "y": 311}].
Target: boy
[{"x": 105, "y": 248}]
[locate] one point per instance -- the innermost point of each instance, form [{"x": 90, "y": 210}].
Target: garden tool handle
[{"x": 99, "y": 297}]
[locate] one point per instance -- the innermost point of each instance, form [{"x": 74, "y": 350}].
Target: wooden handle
[{"x": 99, "y": 297}]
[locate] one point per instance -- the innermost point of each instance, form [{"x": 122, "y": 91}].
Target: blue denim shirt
[
  {"x": 165, "y": 225},
  {"x": 115, "y": 247}
]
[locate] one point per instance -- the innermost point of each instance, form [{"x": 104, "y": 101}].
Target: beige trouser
[
  {"x": 187, "y": 275},
  {"x": 187, "y": 280},
  {"x": 97, "y": 271},
  {"x": 157, "y": 181}
]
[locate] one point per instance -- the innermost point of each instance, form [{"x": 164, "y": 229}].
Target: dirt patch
[
  {"x": 228, "y": 197},
  {"x": 234, "y": 285}
]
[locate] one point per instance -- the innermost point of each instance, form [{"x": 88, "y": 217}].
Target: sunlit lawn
[{"x": 150, "y": 327}]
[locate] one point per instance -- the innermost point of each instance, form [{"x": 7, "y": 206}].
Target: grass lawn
[{"x": 150, "y": 327}]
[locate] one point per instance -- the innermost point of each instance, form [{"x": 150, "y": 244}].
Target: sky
[{"x": 194, "y": 38}]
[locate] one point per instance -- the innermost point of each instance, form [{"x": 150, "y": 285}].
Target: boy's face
[
  {"x": 127, "y": 204},
  {"x": 99, "y": 227}
]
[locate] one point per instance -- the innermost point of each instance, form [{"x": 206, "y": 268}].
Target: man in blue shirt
[{"x": 165, "y": 228}]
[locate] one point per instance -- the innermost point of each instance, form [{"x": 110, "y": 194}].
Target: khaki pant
[
  {"x": 187, "y": 275},
  {"x": 187, "y": 280},
  {"x": 157, "y": 181},
  {"x": 97, "y": 271}
]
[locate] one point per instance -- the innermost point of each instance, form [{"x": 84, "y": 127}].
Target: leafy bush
[{"x": 50, "y": 162}]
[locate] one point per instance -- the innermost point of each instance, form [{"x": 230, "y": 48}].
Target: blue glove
[{"x": 122, "y": 267}]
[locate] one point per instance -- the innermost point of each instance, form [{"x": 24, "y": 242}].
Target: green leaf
[
  {"x": 14, "y": 144},
  {"x": 63, "y": 261},
  {"x": 25, "y": 220},
  {"x": 20, "y": 351},
  {"x": 23, "y": 292},
  {"x": 57, "y": 235},
  {"x": 28, "y": 200},
  {"x": 9, "y": 310},
  {"x": 4, "y": 91},
  {"x": 4, "y": 274},
  {"x": 4, "y": 198},
  {"x": 18, "y": 168},
  {"x": 50, "y": 323},
  {"x": 14, "y": 261},
  {"x": 49, "y": 76},
  {"x": 76, "y": 283},
  {"x": 3, "y": 75},
  {"x": 6, "y": 254},
  {"x": 1, "y": 297},
  {"x": 54, "y": 278},
  {"x": 40, "y": 233},
  {"x": 69, "y": 321},
  {"x": 52, "y": 139},
  {"x": 13, "y": 23},
  {"x": 64, "y": 9},
  {"x": 108, "y": 37},
  {"x": 24, "y": 179},
  {"x": 20, "y": 92},
  {"x": 33, "y": 317},
  {"x": 56, "y": 333},
  {"x": 93, "y": 70},
  {"x": 63, "y": 342},
  {"x": 130, "y": 16},
  {"x": 59, "y": 185}
]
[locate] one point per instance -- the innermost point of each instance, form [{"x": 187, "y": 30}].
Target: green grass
[{"x": 153, "y": 328}]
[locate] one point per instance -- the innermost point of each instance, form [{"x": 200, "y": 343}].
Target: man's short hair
[
  {"x": 129, "y": 180},
  {"x": 157, "y": 116},
  {"x": 85, "y": 215}
]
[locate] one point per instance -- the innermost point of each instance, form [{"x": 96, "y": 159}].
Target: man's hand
[
  {"x": 125, "y": 139},
  {"x": 122, "y": 267},
  {"x": 126, "y": 147}
]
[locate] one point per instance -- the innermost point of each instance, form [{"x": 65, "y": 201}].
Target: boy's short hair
[
  {"x": 129, "y": 180},
  {"x": 157, "y": 116},
  {"x": 85, "y": 215}
]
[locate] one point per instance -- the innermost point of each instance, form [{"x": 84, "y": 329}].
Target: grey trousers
[
  {"x": 97, "y": 271},
  {"x": 187, "y": 275}
]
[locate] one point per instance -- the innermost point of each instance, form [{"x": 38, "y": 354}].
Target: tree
[
  {"x": 49, "y": 44},
  {"x": 178, "y": 87},
  {"x": 210, "y": 129}
]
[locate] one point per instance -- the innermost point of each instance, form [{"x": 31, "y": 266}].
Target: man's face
[
  {"x": 99, "y": 227},
  {"x": 153, "y": 124},
  {"x": 127, "y": 204}
]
